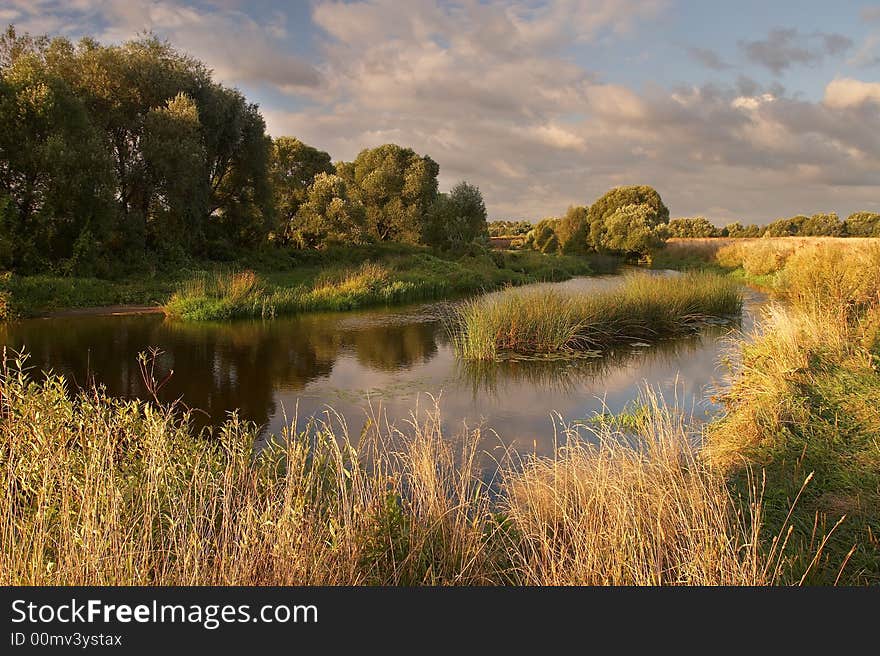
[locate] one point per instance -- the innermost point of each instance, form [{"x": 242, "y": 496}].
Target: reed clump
[
  {"x": 644, "y": 307},
  {"x": 221, "y": 296}
]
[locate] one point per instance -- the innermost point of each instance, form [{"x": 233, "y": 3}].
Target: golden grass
[{"x": 97, "y": 491}]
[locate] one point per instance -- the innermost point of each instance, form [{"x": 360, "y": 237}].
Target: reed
[{"x": 644, "y": 308}]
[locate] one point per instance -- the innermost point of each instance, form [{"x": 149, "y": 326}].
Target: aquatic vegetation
[
  {"x": 644, "y": 308},
  {"x": 220, "y": 296}
]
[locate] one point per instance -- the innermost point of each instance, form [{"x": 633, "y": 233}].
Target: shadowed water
[{"x": 391, "y": 359}]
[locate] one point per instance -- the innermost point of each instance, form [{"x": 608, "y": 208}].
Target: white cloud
[{"x": 847, "y": 92}]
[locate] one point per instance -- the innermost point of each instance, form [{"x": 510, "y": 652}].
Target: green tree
[
  {"x": 614, "y": 199},
  {"x": 396, "y": 187},
  {"x": 293, "y": 168},
  {"x": 328, "y": 215},
  {"x": 54, "y": 173},
  {"x": 693, "y": 228},
  {"x": 456, "y": 218},
  {"x": 633, "y": 230},
  {"x": 543, "y": 236},
  {"x": 573, "y": 231},
  {"x": 823, "y": 224},
  {"x": 862, "y": 224},
  {"x": 509, "y": 228},
  {"x": 174, "y": 156},
  {"x": 737, "y": 229}
]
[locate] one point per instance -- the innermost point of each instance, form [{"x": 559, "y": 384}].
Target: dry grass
[
  {"x": 603, "y": 513},
  {"x": 806, "y": 399},
  {"x": 97, "y": 491}
]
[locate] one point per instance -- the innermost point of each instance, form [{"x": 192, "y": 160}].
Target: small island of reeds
[{"x": 545, "y": 321}]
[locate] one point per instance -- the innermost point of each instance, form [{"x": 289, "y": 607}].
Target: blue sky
[{"x": 735, "y": 111}]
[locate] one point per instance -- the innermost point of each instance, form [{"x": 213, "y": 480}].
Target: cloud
[
  {"x": 783, "y": 48},
  {"x": 239, "y": 48},
  {"x": 708, "y": 58},
  {"x": 868, "y": 54},
  {"x": 488, "y": 90},
  {"x": 846, "y": 92},
  {"x": 870, "y": 13}
]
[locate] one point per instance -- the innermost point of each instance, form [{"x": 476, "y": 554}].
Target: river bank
[{"x": 295, "y": 281}]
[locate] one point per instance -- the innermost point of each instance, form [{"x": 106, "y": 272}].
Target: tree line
[
  {"x": 822, "y": 224},
  {"x": 633, "y": 221},
  {"x": 125, "y": 155},
  {"x": 629, "y": 221}
]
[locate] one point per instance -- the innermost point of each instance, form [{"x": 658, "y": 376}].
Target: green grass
[
  {"x": 395, "y": 279},
  {"x": 24, "y": 296},
  {"x": 644, "y": 308},
  {"x": 807, "y": 403},
  {"x": 293, "y": 281}
]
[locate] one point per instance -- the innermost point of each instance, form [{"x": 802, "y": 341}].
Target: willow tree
[{"x": 396, "y": 186}]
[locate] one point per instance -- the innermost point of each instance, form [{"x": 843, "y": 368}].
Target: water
[{"x": 387, "y": 359}]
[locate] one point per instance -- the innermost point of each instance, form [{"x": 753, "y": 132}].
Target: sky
[{"x": 747, "y": 110}]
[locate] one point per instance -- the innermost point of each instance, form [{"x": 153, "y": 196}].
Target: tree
[
  {"x": 174, "y": 156},
  {"x": 862, "y": 224},
  {"x": 54, "y": 172},
  {"x": 328, "y": 215},
  {"x": 692, "y": 228},
  {"x": 633, "y": 230},
  {"x": 573, "y": 231},
  {"x": 509, "y": 228},
  {"x": 737, "y": 230},
  {"x": 396, "y": 187},
  {"x": 613, "y": 200},
  {"x": 823, "y": 224},
  {"x": 456, "y": 218},
  {"x": 293, "y": 168},
  {"x": 543, "y": 236}
]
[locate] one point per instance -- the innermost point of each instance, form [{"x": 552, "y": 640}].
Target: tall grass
[
  {"x": 100, "y": 491},
  {"x": 806, "y": 398},
  {"x": 221, "y": 295},
  {"x": 645, "y": 307}
]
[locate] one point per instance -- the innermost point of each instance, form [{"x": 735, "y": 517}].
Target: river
[{"x": 391, "y": 359}]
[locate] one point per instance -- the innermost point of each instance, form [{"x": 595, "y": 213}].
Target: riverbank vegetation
[
  {"x": 644, "y": 308},
  {"x": 781, "y": 488},
  {"x": 400, "y": 279},
  {"x": 105, "y": 491},
  {"x": 805, "y": 401}
]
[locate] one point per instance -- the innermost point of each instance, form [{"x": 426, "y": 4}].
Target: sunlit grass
[
  {"x": 100, "y": 491},
  {"x": 644, "y": 308}
]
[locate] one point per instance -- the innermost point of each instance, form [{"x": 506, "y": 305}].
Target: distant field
[{"x": 704, "y": 249}]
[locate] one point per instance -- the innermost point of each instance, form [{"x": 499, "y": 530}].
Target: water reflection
[{"x": 387, "y": 358}]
